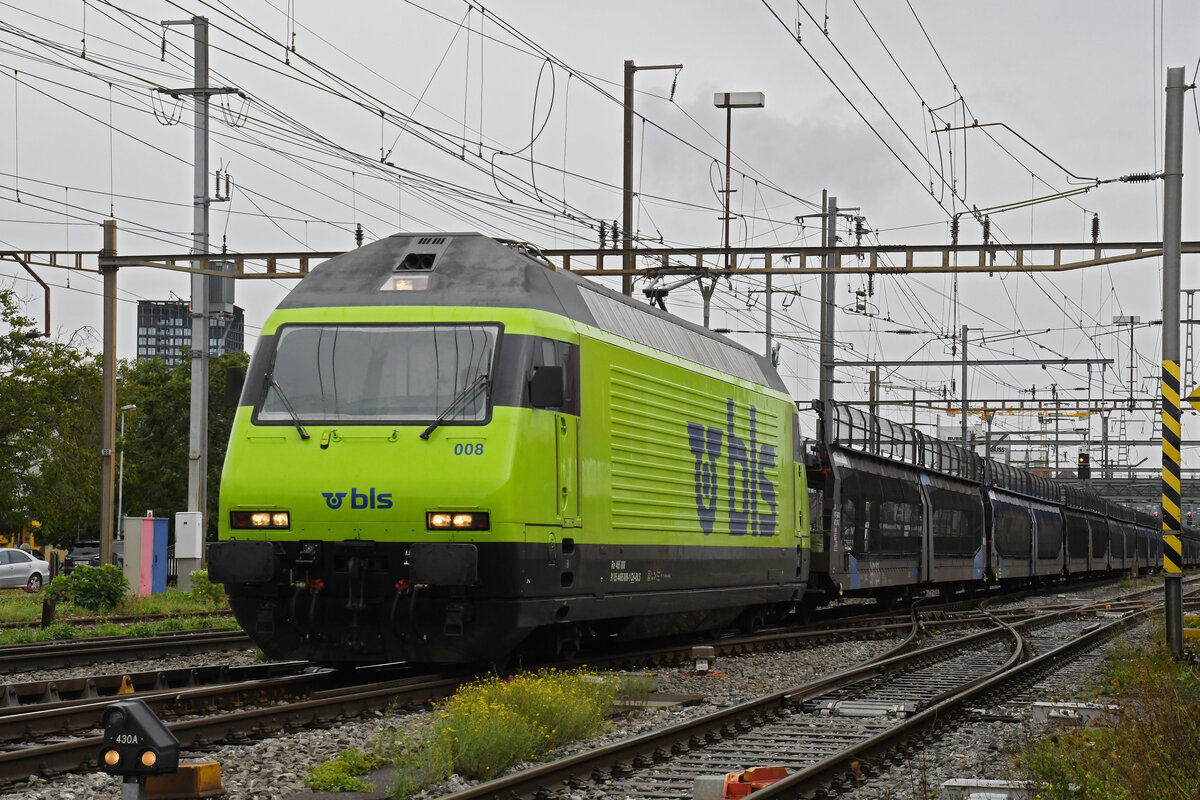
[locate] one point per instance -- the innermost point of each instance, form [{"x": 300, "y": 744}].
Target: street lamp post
[
  {"x": 121, "y": 472},
  {"x": 729, "y": 101}
]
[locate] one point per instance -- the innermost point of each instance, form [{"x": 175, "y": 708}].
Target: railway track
[
  {"x": 124, "y": 619},
  {"x": 271, "y": 698},
  {"x": 16, "y": 658},
  {"x": 34, "y": 743},
  {"x": 31, "y": 695},
  {"x": 291, "y": 695},
  {"x": 831, "y": 733}
]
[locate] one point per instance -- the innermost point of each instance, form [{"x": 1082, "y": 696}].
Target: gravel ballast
[{"x": 273, "y": 768}]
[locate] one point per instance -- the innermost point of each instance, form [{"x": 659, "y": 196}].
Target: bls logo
[
  {"x": 751, "y": 462},
  {"x": 372, "y": 499}
]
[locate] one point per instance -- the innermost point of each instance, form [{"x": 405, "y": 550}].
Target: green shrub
[
  {"x": 485, "y": 739},
  {"x": 339, "y": 774},
  {"x": 142, "y": 630},
  {"x": 421, "y": 757},
  {"x": 93, "y": 588},
  {"x": 60, "y": 630},
  {"x": 205, "y": 589},
  {"x": 634, "y": 690},
  {"x": 489, "y": 725},
  {"x": 1153, "y": 753}
]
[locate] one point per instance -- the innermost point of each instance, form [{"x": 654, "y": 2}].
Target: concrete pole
[
  {"x": 627, "y": 186},
  {"x": 197, "y": 496},
  {"x": 1171, "y": 422},
  {"x": 873, "y": 407},
  {"x": 767, "y": 297},
  {"x": 988, "y": 416},
  {"x": 828, "y": 284},
  {"x": 1057, "y": 419},
  {"x": 728, "y": 175},
  {"x": 121, "y": 480},
  {"x": 108, "y": 412},
  {"x": 963, "y": 390},
  {"x": 1105, "y": 469},
  {"x": 631, "y": 69},
  {"x": 707, "y": 295}
]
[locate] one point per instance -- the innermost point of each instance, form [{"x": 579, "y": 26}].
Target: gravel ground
[
  {"x": 233, "y": 658},
  {"x": 272, "y": 769}
]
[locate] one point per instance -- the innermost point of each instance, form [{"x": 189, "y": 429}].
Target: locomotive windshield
[{"x": 378, "y": 373}]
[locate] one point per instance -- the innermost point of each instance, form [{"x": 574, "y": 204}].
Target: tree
[
  {"x": 49, "y": 431},
  {"x": 157, "y": 434}
]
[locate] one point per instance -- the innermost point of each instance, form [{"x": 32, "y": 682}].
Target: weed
[
  {"x": 489, "y": 725},
  {"x": 634, "y": 689},
  {"x": 66, "y": 630},
  {"x": 1152, "y": 754},
  {"x": 422, "y": 757},
  {"x": 21, "y": 607},
  {"x": 340, "y": 773},
  {"x": 205, "y": 590}
]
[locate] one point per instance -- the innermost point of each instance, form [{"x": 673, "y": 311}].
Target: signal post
[{"x": 1172, "y": 234}]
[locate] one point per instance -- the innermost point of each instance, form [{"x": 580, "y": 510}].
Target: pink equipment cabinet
[{"x": 146, "y": 554}]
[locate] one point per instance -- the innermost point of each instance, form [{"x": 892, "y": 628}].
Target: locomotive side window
[
  {"x": 553, "y": 353},
  {"x": 379, "y": 373}
]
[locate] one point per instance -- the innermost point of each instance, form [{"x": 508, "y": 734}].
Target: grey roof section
[
  {"x": 656, "y": 331},
  {"x": 469, "y": 269}
]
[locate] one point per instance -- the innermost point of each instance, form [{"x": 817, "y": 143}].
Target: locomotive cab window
[
  {"x": 377, "y": 374},
  {"x": 552, "y": 376}
]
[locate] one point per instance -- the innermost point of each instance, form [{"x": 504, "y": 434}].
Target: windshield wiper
[
  {"x": 295, "y": 417},
  {"x": 468, "y": 392}
]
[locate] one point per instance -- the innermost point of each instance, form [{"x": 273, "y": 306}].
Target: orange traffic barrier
[{"x": 740, "y": 784}]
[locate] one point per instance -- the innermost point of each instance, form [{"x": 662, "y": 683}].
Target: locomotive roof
[{"x": 470, "y": 269}]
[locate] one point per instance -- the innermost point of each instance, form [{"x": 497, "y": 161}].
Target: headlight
[
  {"x": 250, "y": 520},
  {"x": 457, "y": 520}
]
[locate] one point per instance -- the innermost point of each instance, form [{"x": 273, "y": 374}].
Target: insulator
[
  {"x": 870, "y": 284},
  {"x": 603, "y": 234},
  {"x": 358, "y": 235},
  {"x": 987, "y": 230},
  {"x": 1141, "y": 177},
  {"x": 217, "y": 187},
  {"x": 616, "y": 234},
  {"x": 1095, "y": 228},
  {"x": 954, "y": 230}
]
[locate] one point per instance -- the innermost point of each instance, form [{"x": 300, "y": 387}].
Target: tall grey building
[{"x": 164, "y": 330}]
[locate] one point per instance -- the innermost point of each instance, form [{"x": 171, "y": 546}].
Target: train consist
[
  {"x": 446, "y": 450},
  {"x": 900, "y": 512}
]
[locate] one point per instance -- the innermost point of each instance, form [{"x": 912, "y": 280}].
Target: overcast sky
[{"x": 510, "y": 123}]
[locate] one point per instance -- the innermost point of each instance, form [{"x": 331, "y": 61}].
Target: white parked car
[{"x": 19, "y": 569}]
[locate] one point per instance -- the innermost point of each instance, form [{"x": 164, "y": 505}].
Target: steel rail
[
  {"x": 841, "y": 765},
  {"x": 74, "y": 754},
  {"x": 658, "y": 746},
  {"x": 29, "y": 656}
]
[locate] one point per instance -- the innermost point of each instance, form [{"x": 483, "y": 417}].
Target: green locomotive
[{"x": 446, "y": 450}]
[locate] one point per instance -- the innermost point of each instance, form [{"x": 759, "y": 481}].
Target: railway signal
[
  {"x": 136, "y": 745},
  {"x": 1085, "y": 466}
]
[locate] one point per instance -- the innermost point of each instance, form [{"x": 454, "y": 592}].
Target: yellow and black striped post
[
  {"x": 1172, "y": 229},
  {"x": 1171, "y": 506},
  {"x": 1171, "y": 498}
]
